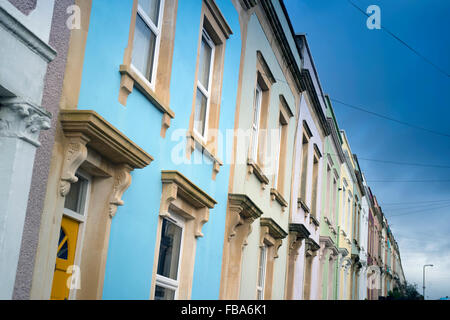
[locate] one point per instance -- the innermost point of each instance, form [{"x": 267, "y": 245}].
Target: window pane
[
  {"x": 262, "y": 267},
  {"x": 261, "y": 273},
  {"x": 204, "y": 64},
  {"x": 143, "y": 48},
  {"x": 75, "y": 198},
  {"x": 151, "y": 8},
  {"x": 62, "y": 244},
  {"x": 169, "y": 251},
  {"x": 200, "y": 112},
  {"x": 255, "y": 125},
  {"x": 164, "y": 293}
]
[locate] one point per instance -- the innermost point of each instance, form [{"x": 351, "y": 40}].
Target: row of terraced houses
[{"x": 172, "y": 149}]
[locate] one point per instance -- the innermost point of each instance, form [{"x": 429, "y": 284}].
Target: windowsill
[
  {"x": 302, "y": 204},
  {"x": 198, "y": 143},
  {"x": 145, "y": 88},
  {"x": 254, "y": 168},
  {"x": 276, "y": 195}
]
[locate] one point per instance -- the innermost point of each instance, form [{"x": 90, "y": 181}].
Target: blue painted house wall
[{"x": 129, "y": 264}]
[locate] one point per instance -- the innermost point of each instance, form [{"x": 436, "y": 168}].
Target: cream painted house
[{"x": 257, "y": 222}]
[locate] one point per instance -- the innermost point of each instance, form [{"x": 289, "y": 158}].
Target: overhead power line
[
  {"x": 447, "y": 180},
  {"x": 438, "y": 68},
  {"x": 405, "y": 163},
  {"x": 417, "y": 207},
  {"x": 391, "y": 119},
  {"x": 419, "y": 211},
  {"x": 399, "y": 162},
  {"x": 412, "y": 202}
]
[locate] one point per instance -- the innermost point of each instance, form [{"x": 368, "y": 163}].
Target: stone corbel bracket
[
  {"x": 327, "y": 245},
  {"x": 22, "y": 119},
  {"x": 243, "y": 211},
  {"x": 75, "y": 154},
  {"x": 85, "y": 129},
  {"x": 270, "y": 229},
  {"x": 174, "y": 186},
  {"x": 297, "y": 233},
  {"x": 311, "y": 247},
  {"x": 122, "y": 181}
]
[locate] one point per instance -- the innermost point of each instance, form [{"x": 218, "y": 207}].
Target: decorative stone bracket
[
  {"x": 327, "y": 246},
  {"x": 22, "y": 119},
  {"x": 176, "y": 186},
  {"x": 122, "y": 181},
  {"x": 85, "y": 129},
  {"x": 297, "y": 233},
  {"x": 243, "y": 212},
  {"x": 312, "y": 247},
  {"x": 75, "y": 154},
  {"x": 271, "y": 232}
]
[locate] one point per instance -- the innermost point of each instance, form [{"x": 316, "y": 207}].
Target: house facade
[
  {"x": 34, "y": 37},
  {"x": 135, "y": 131},
  {"x": 257, "y": 224},
  {"x": 330, "y": 209},
  {"x": 165, "y": 149}
]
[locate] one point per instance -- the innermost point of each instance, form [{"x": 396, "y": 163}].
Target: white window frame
[
  {"x": 203, "y": 90},
  {"x": 163, "y": 281},
  {"x": 157, "y": 31},
  {"x": 262, "y": 266},
  {"x": 255, "y": 126},
  {"x": 81, "y": 218}
]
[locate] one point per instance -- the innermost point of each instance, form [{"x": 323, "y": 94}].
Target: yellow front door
[{"x": 65, "y": 257}]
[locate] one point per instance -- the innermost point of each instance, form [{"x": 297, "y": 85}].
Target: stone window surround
[
  {"x": 108, "y": 156},
  {"x": 277, "y": 191},
  {"x": 271, "y": 235},
  {"x": 184, "y": 198},
  {"x": 301, "y": 200},
  {"x": 328, "y": 252},
  {"x": 241, "y": 213},
  {"x": 297, "y": 233},
  {"x": 311, "y": 251},
  {"x": 158, "y": 93},
  {"x": 265, "y": 79},
  {"x": 213, "y": 21}
]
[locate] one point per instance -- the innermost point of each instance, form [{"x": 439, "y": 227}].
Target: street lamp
[{"x": 426, "y": 265}]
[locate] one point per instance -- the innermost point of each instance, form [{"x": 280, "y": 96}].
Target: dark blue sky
[{"x": 372, "y": 70}]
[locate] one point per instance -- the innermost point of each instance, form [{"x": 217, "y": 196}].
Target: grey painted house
[{"x": 33, "y": 50}]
